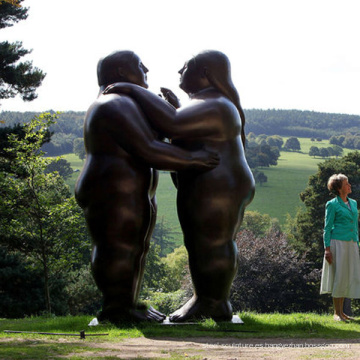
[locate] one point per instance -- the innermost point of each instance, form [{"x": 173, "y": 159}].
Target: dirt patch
[{"x": 226, "y": 349}]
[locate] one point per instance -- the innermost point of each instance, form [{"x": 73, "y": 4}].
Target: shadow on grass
[{"x": 294, "y": 326}]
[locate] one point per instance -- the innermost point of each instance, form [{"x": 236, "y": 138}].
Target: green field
[{"x": 278, "y": 197}]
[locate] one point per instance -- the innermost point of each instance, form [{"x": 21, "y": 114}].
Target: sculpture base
[{"x": 235, "y": 320}]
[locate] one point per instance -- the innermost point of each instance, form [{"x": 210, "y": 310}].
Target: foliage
[
  {"x": 165, "y": 274},
  {"x": 259, "y": 176},
  {"x": 6, "y": 155},
  {"x": 261, "y": 155},
  {"x": 310, "y": 222},
  {"x": 163, "y": 237},
  {"x": 292, "y": 143},
  {"x": 21, "y": 286},
  {"x": 177, "y": 270},
  {"x": 155, "y": 271},
  {"x": 297, "y": 123},
  {"x": 272, "y": 277},
  {"x": 79, "y": 148},
  {"x": 350, "y": 141},
  {"x": 40, "y": 219},
  {"x": 275, "y": 140},
  {"x": 167, "y": 302},
  {"x": 16, "y": 77},
  {"x": 324, "y": 152},
  {"x": 314, "y": 151},
  {"x": 61, "y": 166},
  {"x": 83, "y": 296},
  {"x": 259, "y": 224},
  {"x": 68, "y": 128}
]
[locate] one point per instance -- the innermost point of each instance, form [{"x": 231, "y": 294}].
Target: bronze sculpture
[
  {"x": 210, "y": 204},
  {"x": 116, "y": 187}
]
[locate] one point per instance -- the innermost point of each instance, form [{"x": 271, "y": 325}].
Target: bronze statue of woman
[{"x": 210, "y": 204}]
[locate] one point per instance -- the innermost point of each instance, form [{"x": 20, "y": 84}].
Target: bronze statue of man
[
  {"x": 116, "y": 188},
  {"x": 210, "y": 204}
]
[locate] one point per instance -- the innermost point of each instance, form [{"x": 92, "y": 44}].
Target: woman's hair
[
  {"x": 335, "y": 183},
  {"x": 219, "y": 75}
]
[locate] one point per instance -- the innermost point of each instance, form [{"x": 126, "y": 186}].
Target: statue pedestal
[{"x": 235, "y": 320}]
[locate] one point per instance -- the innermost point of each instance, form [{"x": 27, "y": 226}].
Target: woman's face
[
  {"x": 190, "y": 77},
  {"x": 345, "y": 188}
]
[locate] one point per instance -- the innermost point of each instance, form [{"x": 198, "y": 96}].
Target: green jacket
[{"x": 341, "y": 223}]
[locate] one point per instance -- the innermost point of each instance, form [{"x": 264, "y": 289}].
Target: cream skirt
[{"x": 342, "y": 277}]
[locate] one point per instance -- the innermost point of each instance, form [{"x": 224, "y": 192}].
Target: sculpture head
[
  {"x": 211, "y": 68},
  {"x": 207, "y": 69},
  {"x": 122, "y": 66}
]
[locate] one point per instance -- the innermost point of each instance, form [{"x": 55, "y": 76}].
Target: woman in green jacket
[{"x": 341, "y": 267}]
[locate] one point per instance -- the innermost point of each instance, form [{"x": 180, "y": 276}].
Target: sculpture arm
[
  {"x": 129, "y": 128},
  {"x": 196, "y": 120}
]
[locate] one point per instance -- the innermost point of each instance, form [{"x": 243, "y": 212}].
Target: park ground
[{"x": 203, "y": 348}]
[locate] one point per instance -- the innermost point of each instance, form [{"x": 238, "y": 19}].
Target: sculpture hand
[
  {"x": 205, "y": 160},
  {"x": 170, "y": 97},
  {"x": 118, "y": 88}
]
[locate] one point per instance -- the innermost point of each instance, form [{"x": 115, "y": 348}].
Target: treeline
[
  {"x": 270, "y": 122},
  {"x": 300, "y": 123},
  {"x": 348, "y": 141},
  {"x": 67, "y": 133}
]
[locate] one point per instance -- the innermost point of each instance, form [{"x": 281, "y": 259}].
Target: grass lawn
[
  {"x": 260, "y": 326},
  {"x": 272, "y": 325}
]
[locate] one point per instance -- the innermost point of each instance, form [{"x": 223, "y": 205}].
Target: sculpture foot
[
  {"x": 198, "y": 309},
  {"x": 123, "y": 315}
]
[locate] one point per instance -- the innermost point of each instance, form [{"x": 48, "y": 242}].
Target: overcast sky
[{"x": 285, "y": 54}]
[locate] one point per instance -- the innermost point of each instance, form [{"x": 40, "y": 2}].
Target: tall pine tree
[{"x": 16, "y": 77}]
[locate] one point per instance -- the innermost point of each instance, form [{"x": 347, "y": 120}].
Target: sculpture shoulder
[{"x": 112, "y": 105}]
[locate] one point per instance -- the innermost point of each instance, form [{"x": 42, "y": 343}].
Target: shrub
[
  {"x": 167, "y": 302},
  {"x": 21, "y": 287},
  {"x": 84, "y": 298},
  {"x": 272, "y": 277}
]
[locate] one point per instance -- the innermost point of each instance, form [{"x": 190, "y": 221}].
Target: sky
[{"x": 284, "y": 54}]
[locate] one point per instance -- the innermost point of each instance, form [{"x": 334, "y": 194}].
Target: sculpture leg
[
  {"x": 119, "y": 245},
  {"x": 153, "y": 212},
  {"x": 212, "y": 272}
]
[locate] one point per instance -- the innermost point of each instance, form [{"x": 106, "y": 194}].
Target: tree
[
  {"x": 62, "y": 166},
  {"x": 6, "y": 155},
  {"x": 177, "y": 269},
  {"x": 163, "y": 236},
  {"x": 309, "y": 223},
  {"x": 21, "y": 286},
  {"x": 314, "y": 151},
  {"x": 259, "y": 224},
  {"x": 324, "y": 152},
  {"x": 338, "y": 150},
  {"x": 262, "y": 155},
  {"x": 275, "y": 140},
  {"x": 259, "y": 177},
  {"x": 16, "y": 77},
  {"x": 292, "y": 143},
  {"x": 39, "y": 218},
  {"x": 79, "y": 148}
]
